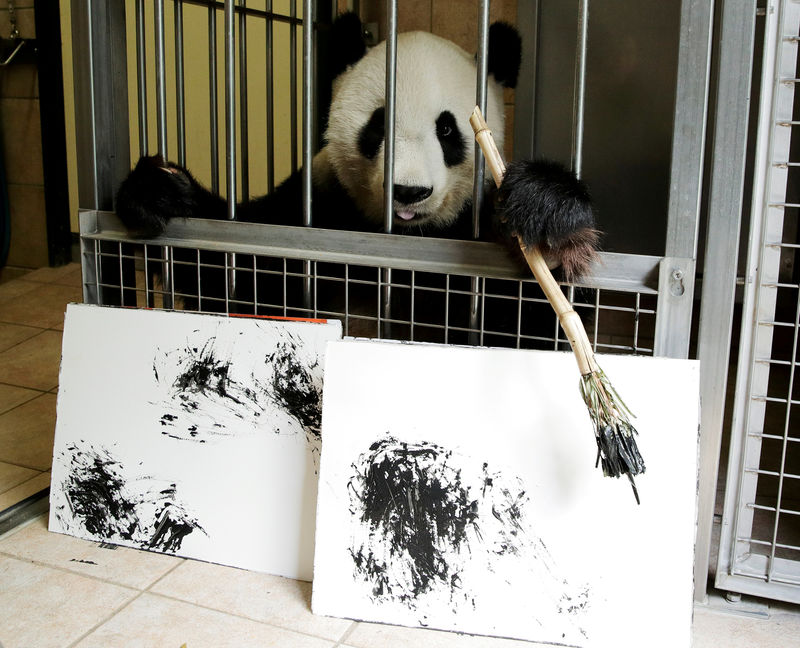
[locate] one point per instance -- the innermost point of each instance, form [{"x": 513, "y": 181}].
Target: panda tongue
[{"x": 405, "y": 215}]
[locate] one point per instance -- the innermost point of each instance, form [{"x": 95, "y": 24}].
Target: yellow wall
[
  {"x": 437, "y": 16},
  {"x": 196, "y": 86}
]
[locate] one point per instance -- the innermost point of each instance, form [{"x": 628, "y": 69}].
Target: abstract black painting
[
  {"x": 458, "y": 492},
  {"x": 196, "y": 435}
]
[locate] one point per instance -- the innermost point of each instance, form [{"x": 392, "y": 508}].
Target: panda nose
[{"x": 409, "y": 194}]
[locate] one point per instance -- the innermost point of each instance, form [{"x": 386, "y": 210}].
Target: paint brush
[{"x": 617, "y": 451}]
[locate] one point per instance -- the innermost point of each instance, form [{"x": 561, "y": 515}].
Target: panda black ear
[
  {"x": 347, "y": 41},
  {"x": 505, "y": 53}
]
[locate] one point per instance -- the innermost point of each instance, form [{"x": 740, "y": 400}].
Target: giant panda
[{"x": 540, "y": 202}]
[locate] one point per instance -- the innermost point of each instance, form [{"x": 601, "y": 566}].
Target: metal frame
[
  {"x": 747, "y": 564},
  {"x": 668, "y": 279}
]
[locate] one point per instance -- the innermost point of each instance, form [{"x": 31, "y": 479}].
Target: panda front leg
[{"x": 544, "y": 204}]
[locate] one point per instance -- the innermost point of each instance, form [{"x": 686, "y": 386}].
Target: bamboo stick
[{"x": 614, "y": 433}]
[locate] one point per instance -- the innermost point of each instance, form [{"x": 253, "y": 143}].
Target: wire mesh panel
[
  {"x": 760, "y": 547},
  {"x": 433, "y": 284}
]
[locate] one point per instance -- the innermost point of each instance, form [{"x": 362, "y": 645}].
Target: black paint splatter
[
  {"x": 293, "y": 388},
  {"x": 205, "y": 386},
  {"x": 413, "y": 500},
  {"x": 101, "y": 500},
  {"x": 426, "y": 517},
  {"x": 210, "y": 390}
]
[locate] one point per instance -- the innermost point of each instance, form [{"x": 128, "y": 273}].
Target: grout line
[
  {"x": 347, "y": 634},
  {"x": 244, "y": 617},
  {"x": 102, "y": 622},
  {"x": 30, "y": 400}
]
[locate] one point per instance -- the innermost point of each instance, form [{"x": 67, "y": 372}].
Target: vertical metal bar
[
  {"x": 97, "y": 262},
  {"x": 674, "y": 313},
  {"x": 308, "y": 131},
  {"x": 390, "y": 99},
  {"x": 147, "y": 296},
  {"x": 270, "y": 105},
  {"x": 724, "y": 217},
  {"x": 212, "y": 97},
  {"x": 308, "y": 107},
  {"x": 101, "y": 101},
  {"x": 293, "y": 81},
  {"x": 161, "y": 117},
  {"x": 446, "y": 308},
  {"x": 243, "y": 108},
  {"x": 230, "y": 133},
  {"x": 161, "y": 80},
  {"x": 255, "y": 286},
  {"x": 180, "y": 86},
  {"x": 481, "y": 84},
  {"x": 580, "y": 87},
  {"x": 347, "y": 299},
  {"x": 413, "y": 290},
  {"x": 141, "y": 77},
  {"x": 519, "y": 313},
  {"x": 199, "y": 287},
  {"x": 87, "y": 223},
  {"x": 388, "y": 146}
]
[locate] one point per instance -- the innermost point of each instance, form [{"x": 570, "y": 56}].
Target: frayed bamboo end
[{"x": 617, "y": 451}]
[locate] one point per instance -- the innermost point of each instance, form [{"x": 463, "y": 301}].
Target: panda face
[{"x": 434, "y": 159}]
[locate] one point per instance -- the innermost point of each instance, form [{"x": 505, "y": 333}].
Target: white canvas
[
  {"x": 196, "y": 435},
  {"x": 458, "y": 491}
]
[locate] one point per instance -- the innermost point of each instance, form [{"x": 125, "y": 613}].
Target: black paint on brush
[
  {"x": 293, "y": 389},
  {"x": 101, "y": 501},
  {"x": 410, "y": 497}
]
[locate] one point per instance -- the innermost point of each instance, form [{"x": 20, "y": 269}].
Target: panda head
[{"x": 435, "y": 94}]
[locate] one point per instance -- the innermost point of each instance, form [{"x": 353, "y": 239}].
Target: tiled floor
[
  {"x": 60, "y": 591},
  {"x": 31, "y": 319}
]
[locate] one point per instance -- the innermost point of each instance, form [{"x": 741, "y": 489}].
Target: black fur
[
  {"x": 371, "y": 135},
  {"x": 451, "y": 139},
  {"x": 347, "y": 34},
  {"x": 505, "y": 54},
  {"x": 542, "y": 202},
  {"x": 156, "y": 192}
]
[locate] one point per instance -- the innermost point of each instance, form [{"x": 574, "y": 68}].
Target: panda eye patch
[
  {"x": 370, "y": 136},
  {"x": 453, "y": 147}
]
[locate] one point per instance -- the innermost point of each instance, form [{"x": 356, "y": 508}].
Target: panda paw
[
  {"x": 155, "y": 192},
  {"x": 543, "y": 204}
]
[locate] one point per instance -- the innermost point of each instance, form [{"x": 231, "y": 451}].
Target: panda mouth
[{"x": 408, "y": 216}]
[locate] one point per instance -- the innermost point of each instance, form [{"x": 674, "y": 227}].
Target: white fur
[{"x": 433, "y": 75}]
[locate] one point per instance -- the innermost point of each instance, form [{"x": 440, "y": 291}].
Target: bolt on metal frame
[{"x": 471, "y": 279}]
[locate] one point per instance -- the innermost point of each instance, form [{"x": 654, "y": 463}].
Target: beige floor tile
[
  {"x": 11, "y": 396},
  {"x": 11, "y": 334},
  {"x": 129, "y": 567},
  {"x": 66, "y": 275},
  {"x": 153, "y": 620},
  {"x": 33, "y": 363},
  {"x": 371, "y": 635},
  {"x": 11, "y": 475},
  {"x": 713, "y": 629},
  {"x": 271, "y": 599},
  {"x": 26, "y": 433},
  {"x": 25, "y": 489},
  {"x": 43, "y": 305},
  {"x": 10, "y": 290},
  {"x": 45, "y": 607}
]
